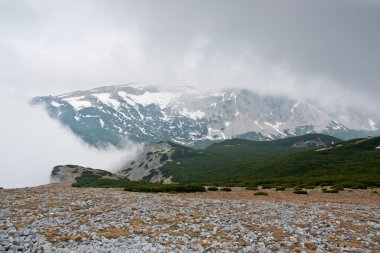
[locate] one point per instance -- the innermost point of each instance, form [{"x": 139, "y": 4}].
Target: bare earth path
[{"x": 59, "y": 218}]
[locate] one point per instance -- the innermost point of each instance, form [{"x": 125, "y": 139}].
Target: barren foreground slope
[{"x": 59, "y": 218}]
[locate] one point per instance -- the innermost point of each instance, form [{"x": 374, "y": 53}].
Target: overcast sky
[
  {"x": 301, "y": 48},
  {"x": 326, "y": 51}
]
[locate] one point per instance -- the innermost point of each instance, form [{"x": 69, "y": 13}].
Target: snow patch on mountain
[
  {"x": 161, "y": 99},
  {"x": 193, "y": 115},
  {"x": 101, "y": 123},
  {"x": 107, "y": 99},
  {"x": 56, "y": 104},
  {"x": 295, "y": 106},
  {"x": 275, "y": 126},
  {"x": 78, "y": 102}
]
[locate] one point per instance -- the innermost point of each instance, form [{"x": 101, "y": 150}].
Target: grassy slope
[
  {"x": 242, "y": 162},
  {"x": 239, "y": 161}
]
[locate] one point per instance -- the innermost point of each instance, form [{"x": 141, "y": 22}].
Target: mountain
[{"x": 109, "y": 115}]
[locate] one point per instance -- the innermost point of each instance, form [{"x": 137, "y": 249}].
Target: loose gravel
[{"x": 59, "y": 218}]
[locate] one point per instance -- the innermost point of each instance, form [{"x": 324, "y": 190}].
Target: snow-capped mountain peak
[{"x": 186, "y": 115}]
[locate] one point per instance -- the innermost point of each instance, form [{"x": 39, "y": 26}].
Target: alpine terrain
[
  {"x": 109, "y": 115},
  {"x": 312, "y": 159}
]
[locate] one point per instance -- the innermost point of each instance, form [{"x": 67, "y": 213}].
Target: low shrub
[
  {"x": 164, "y": 158},
  {"x": 280, "y": 188},
  {"x": 359, "y": 186},
  {"x": 170, "y": 188},
  {"x": 226, "y": 189},
  {"x": 213, "y": 188},
  {"x": 252, "y": 188},
  {"x": 338, "y": 187},
  {"x": 298, "y": 191},
  {"x": 56, "y": 169},
  {"x": 261, "y": 194},
  {"x": 324, "y": 190}
]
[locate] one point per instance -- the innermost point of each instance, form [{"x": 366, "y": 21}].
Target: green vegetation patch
[
  {"x": 235, "y": 162},
  {"x": 272, "y": 164},
  {"x": 324, "y": 190},
  {"x": 152, "y": 173},
  {"x": 261, "y": 194},
  {"x": 170, "y": 188},
  {"x": 164, "y": 158},
  {"x": 55, "y": 170},
  {"x": 298, "y": 191},
  {"x": 89, "y": 179}
]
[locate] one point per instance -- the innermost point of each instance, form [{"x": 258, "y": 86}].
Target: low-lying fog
[{"x": 32, "y": 144}]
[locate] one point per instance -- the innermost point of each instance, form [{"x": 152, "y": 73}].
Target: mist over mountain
[{"x": 107, "y": 115}]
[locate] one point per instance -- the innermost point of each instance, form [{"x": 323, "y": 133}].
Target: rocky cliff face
[
  {"x": 145, "y": 166},
  {"x": 108, "y": 115}
]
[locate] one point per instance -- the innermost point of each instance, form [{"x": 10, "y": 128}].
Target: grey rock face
[{"x": 145, "y": 166}]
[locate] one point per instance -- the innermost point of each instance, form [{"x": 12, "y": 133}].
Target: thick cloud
[{"x": 300, "y": 48}]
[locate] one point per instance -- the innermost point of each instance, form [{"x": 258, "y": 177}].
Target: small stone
[
  {"x": 209, "y": 249},
  {"x": 17, "y": 240},
  {"x": 11, "y": 230},
  {"x": 13, "y": 248},
  {"x": 199, "y": 247},
  {"x": 25, "y": 232},
  {"x": 310, "y": 245},
  {"x": 96, "y": 238},
  {"x": 5, "y": 213}
]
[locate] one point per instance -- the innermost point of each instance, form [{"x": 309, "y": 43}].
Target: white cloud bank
[
  {"x": 31, "y": 144},
  {"x": 299, "y": 48}
]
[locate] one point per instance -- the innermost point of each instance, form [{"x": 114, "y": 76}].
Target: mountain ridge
[{"x": 109, "y": 114}]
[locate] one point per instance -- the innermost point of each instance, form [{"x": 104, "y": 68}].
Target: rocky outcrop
[
  {"x": 146, "y": 165},
  {"x": 64, "y": 173}
]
